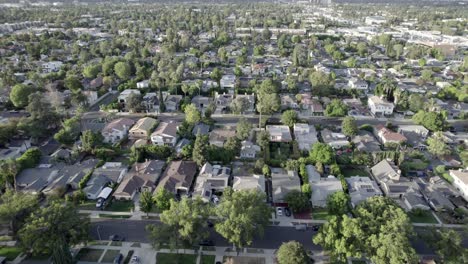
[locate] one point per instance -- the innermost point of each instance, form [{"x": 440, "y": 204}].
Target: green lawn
[
  {"x": 120, "y": 206},
  {"x": 172, "y": 258},
  {"x": 425, "y": 217},
  {"x": 205, "y": 259},
  {"x": 114, "y": 216},
  {"x": 89, "y": 254},
  {"x": 10, "y": 253},
  {"x": 110, "y": 255},
  {"x": 349, "y": 172},
  {"x": 88, "y": 205},
  {"x": 320, "y": 214}
]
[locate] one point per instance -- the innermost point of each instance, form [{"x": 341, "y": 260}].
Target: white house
[
  {"x": 460, "y": 181},
  {"x": 117, "y": 130},
  {"x": 380, "y": 106},
  {"x": 355, "y": 83},
  {"x": 143, "y": 84},
  {"x": 126, "y": 93},
  {"x": 51, "y": 66},
  {"x": 228, "y": 81},
  {"x": 249, "y": 150},
  {"x": 279, "y": 133},
  {"x": 165, "y": 134}
]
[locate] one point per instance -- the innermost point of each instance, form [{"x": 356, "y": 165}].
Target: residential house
[
  {"x": 283, "y": 182},
  {"x": 143, "y": 84},
  {"x": 387, "y": 136},
  {"x": 223, "y": 101},
  {"x": 334, "y": 139},
  {"x": 358, "y": 84},
  {"x": 388, "y": 176},
  {"x": 460, "y": 182},
  {"x": 125, "y": 94},
  {"x": 249, "y": 150},
  {"x": 415, "y": 135},
  {"x": 219, "y": 136},
  {"x": 91, "y": 96},
  {"x": 324, "y": 188},
  {"x": 316, "y": 108},
  {"x": 279, "y": 133},
  {"x": 201, "y": 129},
  {"x": 142, "y": 129},
  {"x": 178, "y": 177},
  {"x": 228, "y": 81},
  {"x": 201, "y": 102},
  {"x": 151, "y": 103},
  {"x": 379, "y": 106},
  {"x": 115, "y": 171},
  {"x": 288, "y": 101},
  {"x": 364, "y": 141},
  {"x": 361, "y": 188},
  {"x": 212, "y": 179},
  {"x": 305, "y": 135},
  {"x": 413, "y": 200},
  {"x": 437, "y": 195},
  {"x": 172, "y": 102},
  {"x": 95, "y": 185},
  {"x": 51, "y": 66},
  {"x": 250, "y": 98},
  {"x": 117, "y": 130},
  {"x": 245, "y": 179},
  {"x": 165, "y": 134}
]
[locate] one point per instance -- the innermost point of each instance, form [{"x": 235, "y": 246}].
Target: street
[{"x": 134, "y": 230}]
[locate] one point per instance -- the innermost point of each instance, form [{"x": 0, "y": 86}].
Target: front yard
[
  {"x": 320, "y": 214},
  {"x": 173, "y": 258},
  {"x": 422, "y": 217},
  {"x": 10, "y": 253}
]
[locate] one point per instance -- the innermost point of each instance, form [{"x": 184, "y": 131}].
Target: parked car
[
  {"x": 287, "y": 212},
  {"x": 116, "y": 238},
  {"x": 279, "y": 211},
  {"x": 135, "y": 260},
  {"x": 315, "y": 228},
  {"x": 118, "y": 259},
  {"x": 301, "y": 227},
  {"x": 206, "y": 243},
  {"x": 99, "y": 203}
]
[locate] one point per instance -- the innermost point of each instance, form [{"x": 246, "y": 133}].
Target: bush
[
  {"x": 85, "y": 179},
  {"x": 297, "y": 201},
  {"x": 29, "y": 159}
]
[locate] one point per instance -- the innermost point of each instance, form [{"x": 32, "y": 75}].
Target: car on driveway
[
  {"x": 287, "y": 212},
  {"x": 279, "y": 211},
  {"x": 135, "y": 260},
  {"x": 118, "y": 259},
  {"x": 116, "y": 238}
]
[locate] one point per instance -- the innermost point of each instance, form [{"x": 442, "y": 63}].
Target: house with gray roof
[
  {"x": 279, "y": 133},
  {"x": 334, "y": 139},
  {"x": 366, "y": 142},
  {"x": 306, "y": 136},
  {"x": 388, "y": 176},
  {"x": 361, "y": 188},
  {"x": 283, "y": 182},
  {"x": 115, "y": 171},
  {"x": 95, "y": 185},
  {"x": 324, "y": 188},
  {"x": 245, "y": 179},
  {"x": 211, "y": 179},
  {"x": 201, "y": 128}
]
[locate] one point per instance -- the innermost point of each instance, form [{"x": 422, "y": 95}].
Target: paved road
[{"x": 134, "y": 230}]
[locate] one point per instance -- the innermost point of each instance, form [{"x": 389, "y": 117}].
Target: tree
[
  {"x": 72, "y": 82},
  {"x": 289, "y": 117},
  {"x": 322, "y": 153},
  {"x": 243, "y": 215},
  {"x": 192, "y": 115},
  {"x": 91, "y": 71},
  {"x": 380, "y": 231},
  {"x": 299, "y": 56},
  {"x": 239, "y": 105},
  {"x": 133, "y": 102},
  {"x": 263, "y": 139},
  {"x": 146, "y": 202},
  {"x": 349, "y": 126},
  {"x": 19, "y": 95},
  {"x": 8, "y": 170},
  {"x": 398, "y": 48},
  {"x": 29, "y": 159},
  {"x": 259, "y": 50},
  {"x": 436, "y": 145},
  {"x": 338, "y": 203},
  {"x": 336, "y": 108},
  {"x": 268, "y": 103},
  {"x": 431, "y": 120},
  {"x": 69, "y": 132},
  {"x": 15, "y": 207},
  {"x": 243, "y": 128},
  {"x": 216, "y": 75},
  {"x": 292, "y": 252},
  {"x": 200, "y": 149},
  {"x": 91, "y": 140},
  {"x": 426, "y": 75},
  {"x": 123, "y": 70},
  {"x": 415, "y": 102},
  {"x": 297, "y": 201},
  {"x": 162, "y": 199},
  {"x": 321, "y": 82},
  {"x": 53, "y": 230},
  {"x": 447, "y": 243}
]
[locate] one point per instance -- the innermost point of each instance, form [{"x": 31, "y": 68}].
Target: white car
[
  {"x": 135, "y": 260},
  {"x": 279, "y": 211}
]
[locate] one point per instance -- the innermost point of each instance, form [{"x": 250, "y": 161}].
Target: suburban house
[
  {"x": 131, "y": 185},
  {"x": 95, "y": 185},
  {"x": 388, "y": 136},
  {"x": 305, "y": 135},
  {"x": 416, "y": 135},
  {"x": 212, "y": 179},
  {"x": 279, "y": 133},
  {"x": 323, "y": 188},
  {"x": 334, "y": 139},
  {"x": 117, "y": 130},
  {"x": 201, "y": 129},
  {"x": 245, "y": 179},
  {"x": 379, "y": 106},
  {"x": 460, "y": 182},
  {"x": 115, "y": 171},
  {"x": 51, "y": 66},
  {"x": 142, "y": 129},
  {"x": 125, "y": 94},
  {"x": 223, "y": 101},
  {"x": 388, "y": 176},
  {"x": 201, "y": 102},
  {"x": 283, "y": 182},
  {"x": 250, "y": 98},
  {"x": 178, "y": 177},
  {"x": 360, "y": 188},
  {"x": 366, "y": 142},
  {"x": 437, "y": 196},
  {"x": 288, "y": 101},
  {"x": 165, "y": 134},
  {"x": 219, "y": 136},
  {"x": 172, "y": 102},
  {"x": 413, "y": 200},
  {"x": 151, "y": 103},
  {"x": 312, "y": 174},
  {"x": 358, "y": 84},
  {"x": 143, "y": 84},
  {"x": 228, "y": 81},
  {"x": 249, "y": 150}
]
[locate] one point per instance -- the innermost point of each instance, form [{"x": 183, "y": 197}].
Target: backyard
[{"x": 355, "y": 171}]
